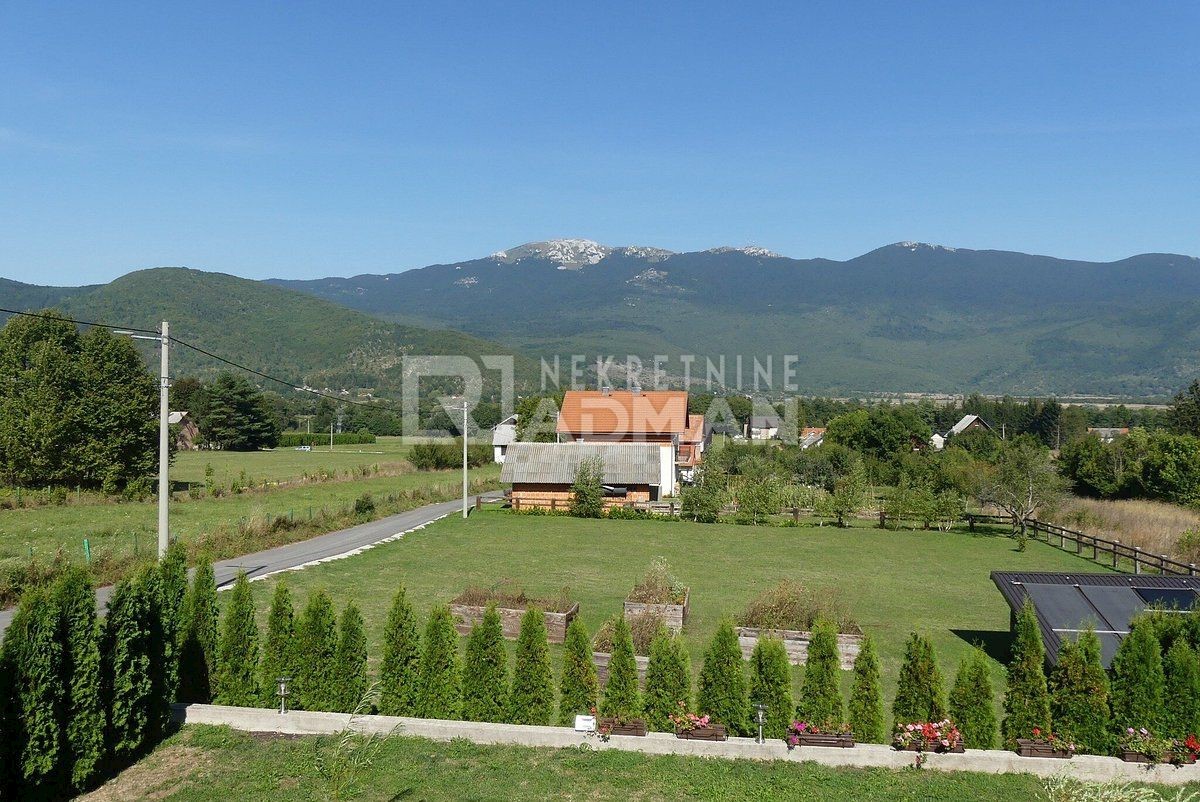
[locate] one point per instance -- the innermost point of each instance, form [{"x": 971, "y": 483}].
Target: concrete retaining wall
[{"x": 1085, "y": 767}]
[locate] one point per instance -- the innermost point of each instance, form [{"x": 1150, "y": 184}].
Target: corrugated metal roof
[{"x": 557, "y": 463}]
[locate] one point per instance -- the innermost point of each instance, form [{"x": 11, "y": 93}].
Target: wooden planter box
[
  {"x": 796, "y": 644},
  {"x": 673, "y": 615},
  {"x": 635, "y": 726},
  {"x": 1129, "y": 756},
  {"x": 714, "y": 733},
  {"x": 467, "y": 615},
  {"x": 601, "y": 660},
  {"x": 843, "y": 741},
  {"x": 1027, "y": 747},
  {"x": 956, "y": 749}
]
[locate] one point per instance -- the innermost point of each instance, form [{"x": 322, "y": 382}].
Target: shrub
[
  {"x": 643, "y": 629},
  {"x": 485, "y": 672},
  {"x": 789, "y": 605},
  {"x": 294, "y": 439},
  {"x": 578, "y": 686},
  {"x": 971, "y": 702},
  {"x": 34, "y": 655},
  {"x": 512, "y": 596},
  {"x": 83, "y": 714},
  {"x": 668, "y": 681},
  {"x": 131, "y": 655},
  {"x": 920, "y": 695},
  {"x": 447, "y": 454},
  {"x": 532, "y": 699},
  {"x": 439, "y": 688},
  {"x": 237, "y": 654},
  {"x": 400, "y": 669},
  {"x": 198, "y": 649},
  {"x": 621, "y": 697},
  {"x": 658, "y": 586},
  {"x": 1181, "y": 717},
  {"x": 771, "y": 685},
  {"x": 316, "y": 653},
  {"x": 350, "y": 661},
  {"x": 279, "y": 649},
  {"x": 866, "y": 696},
  {"x": 1079, "y": 695},
  {"x": 364, "y": 505},
  {"x": 174, "y": 592},
  {"x": 820, "y": 694},
  {"x": 1027, "y": 701},
  {"x": 587, "y": 491},
  {"x": 1137, "y": 680},
  {"x": 722, "y": 692}
]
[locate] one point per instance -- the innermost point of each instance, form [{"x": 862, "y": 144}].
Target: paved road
[{"x": 317, "y": 549}]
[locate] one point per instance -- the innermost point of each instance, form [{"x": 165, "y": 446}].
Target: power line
[{"x": 80, "y": 322}]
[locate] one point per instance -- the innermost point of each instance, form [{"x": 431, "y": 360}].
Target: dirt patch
[{"x": 156, "y": 777}]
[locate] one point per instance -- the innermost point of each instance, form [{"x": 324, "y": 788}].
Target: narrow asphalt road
[{"x": 313, "y": 550}]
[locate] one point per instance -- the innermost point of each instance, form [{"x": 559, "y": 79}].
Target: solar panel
[
  {"x": 1170, "y": 598},
  {"x": 1117, "y": 604},
  {"x": 1064, "y": 608}
]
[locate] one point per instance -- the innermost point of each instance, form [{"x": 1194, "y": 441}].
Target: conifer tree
[
  {"x": 198, "y": 649},
  {"x": 279, "y": 648},
  {"x": 1027, "y": 701},
  {"x": 723, "y": 695},
  {"x": 866, "y": 696},
  {"x": 35, "y": 655},
  {"x": 127, "y": 651},
  {"x": 400, "y": 669},
  {"x": 1138, "y": 681},
  {"x": 971, "y": 702},
  {"x": 920, "y": 693},
  {"x": 1079, "y": 695},
  {"x": 771, "y": 685},
  {"x": 532, "y": 697},
  {"x": 439, "y": 688},
  {"x": 79, "y": 634},
  {"x": 316, "y": 654},
  {"x": 820, "y": 694},
  {"x": 174, "y": 591},
  {"x": 350, "y": 672},
  {"x": 621, "y": 698},
  {"x": 237, "y": 651},
  {"x": 668, "y": 681},
  {"x": 485, "y": 672},
  {"x": 1181, "y": 717},
  {"x": 578, "y": 687}
]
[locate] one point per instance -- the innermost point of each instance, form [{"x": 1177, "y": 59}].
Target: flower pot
[
  {"x": 714, "y": 732},
  {"x": 1180, "y": 759},
  {"x": 955, "y": 748},
  {"x": 1028, "y": 747},
  {"x": 839, "y": 740},
  {"x": 635, "y": 726}
]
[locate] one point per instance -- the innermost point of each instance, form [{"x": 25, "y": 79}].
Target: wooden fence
[{"x": 1112, "y": 552}]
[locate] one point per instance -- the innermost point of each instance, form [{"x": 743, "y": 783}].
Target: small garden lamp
[
  {"x": 760, "y": 716},
  {"x": 283, "y": 693}
]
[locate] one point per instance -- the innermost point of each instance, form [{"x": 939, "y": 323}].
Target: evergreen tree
[
  {"x": 485, "y": 672},
  {"x": 820, "y": 695},
  {"x": 83, "y": 715},
  {"x": 400, "y": 668},
  {"x": 350, "y": 673},
  {"x": 198, "y": 649},
  {"x": 234, "y": 416},
  {"x": 127, "y": 651},
  {"x": 316, "y": 655},
  {"x": 723, "y": 694},
  {"x": 237, "y": 653},
  {"x": 621, "y": 698},
  {"x": 1027, "y": 701},
  {"x": 439, "y": 689},
  {"x": 1181, "y": 717},
  {"x": 771, "y": 685},
  {"x": 578, "y": 687},
  {"x": 279, "y": 648},
  {"x": 920, "y": 693},
  {"x": 1079, "y": 695},
  {"x": 532, "y": 698},
  {"x": 668, "y": 681},
  {"x": 866, "y": 696},
  {"x": 971, "y": 702},
  {"x": 1138, "y": 681},
  {"x": 587, "y": 491},
  {"x": 34, "y": 653},
  {"x": 174, "y": 593}
]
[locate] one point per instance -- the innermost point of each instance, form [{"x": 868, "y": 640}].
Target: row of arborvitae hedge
[{"x": 295, "y": 439}]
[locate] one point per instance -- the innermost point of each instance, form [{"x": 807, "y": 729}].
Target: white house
[
  {"x": 966, "y": 424},
  {"x": 504, "y": 434}
]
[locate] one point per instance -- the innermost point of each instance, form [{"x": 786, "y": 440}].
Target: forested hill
[
  {"x": 271, "y": 329},
  {"x": 905, "y": 317}
]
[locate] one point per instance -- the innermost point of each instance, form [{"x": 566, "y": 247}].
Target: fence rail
[{"x": 1102, "y": 549}]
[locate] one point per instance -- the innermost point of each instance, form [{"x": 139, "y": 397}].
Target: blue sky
[{"x": 301, "y": 140}]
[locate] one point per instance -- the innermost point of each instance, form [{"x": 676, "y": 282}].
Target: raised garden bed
[
  {"x": 796, "y": 644},
  {"x": 471, "y": 604},
  {"x": 634, "y": 726},
  {"x": 674, "y": 616},
  {"x": 838, "y": 740},
  {"x": 659, "y": 595},
  {"x": 601, "y": 659},
  {"x": 1028, "y": 747},
  {"x": 713, "y": 732}
]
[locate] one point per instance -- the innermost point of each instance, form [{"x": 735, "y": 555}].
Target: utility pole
[
  {"x": 164, "y": 431},
  {"x": 464, "y": 436},
  {"x": 331, "y": 435}
]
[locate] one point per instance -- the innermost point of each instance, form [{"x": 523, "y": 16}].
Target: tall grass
[{"x": 1154, "y": 526}]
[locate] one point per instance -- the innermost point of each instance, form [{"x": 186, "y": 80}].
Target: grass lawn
[
  {"x": 280, "y": 464},
  {"x": 206, "y": 763},
  {"x": 892, "y": 581}
]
